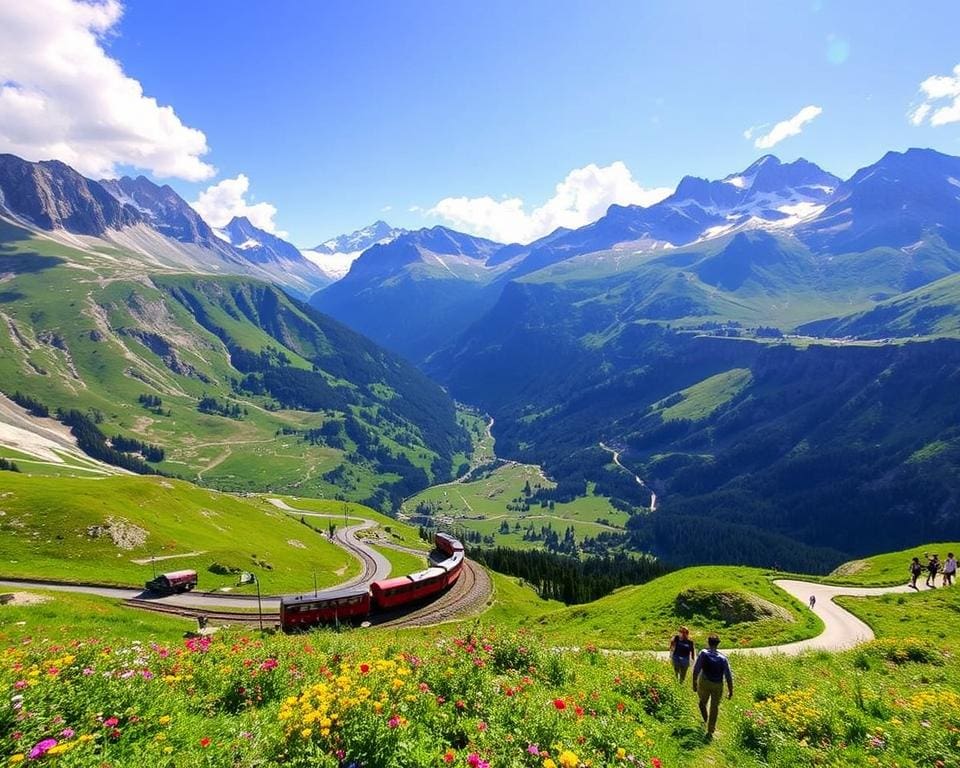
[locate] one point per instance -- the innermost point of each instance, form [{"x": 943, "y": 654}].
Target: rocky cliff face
[
  {"x": 163, "y": 208},
  {"x": 51, "y": 195}
]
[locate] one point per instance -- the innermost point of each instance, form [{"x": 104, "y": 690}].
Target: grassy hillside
[
  {"x": 927, "y": 311},
  {"x": 244, "y": 388},
  {"x": 96, "y": 530},
  {"x": 741, "y": 604},
  {"x": 764, "y": 453}
]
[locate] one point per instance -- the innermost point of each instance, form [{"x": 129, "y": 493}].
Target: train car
[
  {"x": 309, "y": 610},
  {"x": 391, "y": 593},
  {"x": 447, "y": 544},
  {"x": 171, "y": 583},
  {"x": 452, "y": 565}
]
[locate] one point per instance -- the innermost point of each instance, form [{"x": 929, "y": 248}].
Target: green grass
[
  {"x": 890, "y": 568},
  {"x": 481, "y": 505},
  {"x": 46, "y": 527},
  {"x": 647, "y": 616},
  {"x": 513, "y": 600},
  {"x": 398, "y": 532},
  {"x": 703, "y": 398},
  {"x": 401, "y": 563},
  {"x": 933, "y": 614},
  {"x": 83, "y": 616}
]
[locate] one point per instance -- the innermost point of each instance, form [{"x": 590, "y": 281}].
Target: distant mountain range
[{"x": 778, "y": 243}]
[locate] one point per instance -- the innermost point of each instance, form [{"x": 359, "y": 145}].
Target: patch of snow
[
  {"x": 798, "y": 212},
  {"x": 249, "y": 243},
  {"x": 955, "y": 182},
  {"x": 913, "y": 247},
  {"x": 737, "y": 181},
  {"x": 721, "y": 229},
  {"x": 333, "y": 265}
]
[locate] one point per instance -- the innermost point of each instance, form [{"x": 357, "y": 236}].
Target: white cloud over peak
[
  {"x": 582, "y": 197},
  {"x": 941, "y": 104},
  {"x": 63, "y": 97},
  {"x": 219, "y": 203},
  {"x": 784, "y": 129}
]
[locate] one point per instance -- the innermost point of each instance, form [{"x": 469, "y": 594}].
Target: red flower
[
  {"x": 364, "y": 668},
  {"x": 559, "y": 704},
  {"x": 204, "y": 742},
  {"x": 110, "y": 722},
  {"x": 655, "y": 762}
]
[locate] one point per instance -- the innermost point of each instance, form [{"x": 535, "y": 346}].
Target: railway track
[{"x": 214, "y": 617}]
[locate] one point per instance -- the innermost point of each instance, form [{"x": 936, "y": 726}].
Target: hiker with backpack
[
  {"x": 949, "y": 570},
  {"x": 709, "y": 674},
  {"x": 933, "y": 568},
  {"x": 681, "y": 653},
  {"x": 915, "y": 570}
]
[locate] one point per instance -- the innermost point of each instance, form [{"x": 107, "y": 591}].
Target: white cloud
[
  {"x": 219, "y": 203},
  {"x": 782, "y": 130},
  {"x": 62, "y": 96},
  {"x": 582, "y": 197},
  {"x": 941, "y": 100}
]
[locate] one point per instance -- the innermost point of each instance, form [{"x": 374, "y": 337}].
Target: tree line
[{"x": 571, "y": 580}]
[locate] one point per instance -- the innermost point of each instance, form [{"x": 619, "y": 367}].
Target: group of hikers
[
  {"x": 933, "y": 566},
  {"x": 710, "y": 671}
]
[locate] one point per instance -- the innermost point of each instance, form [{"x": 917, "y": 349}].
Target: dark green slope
[
  {"x": 766, "y": 454},
  {"x": 933, "y": 310}
]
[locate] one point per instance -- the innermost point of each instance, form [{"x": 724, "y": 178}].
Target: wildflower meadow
[{"x": 471, "y": 698}]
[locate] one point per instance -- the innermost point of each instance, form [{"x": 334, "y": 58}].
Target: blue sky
[{"x": 338, "y": 113}]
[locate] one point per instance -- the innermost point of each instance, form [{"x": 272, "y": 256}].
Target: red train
[{"x": 352, "y": 603}]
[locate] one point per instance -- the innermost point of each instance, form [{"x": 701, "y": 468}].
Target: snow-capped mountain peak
[
  {"x": 335, "y": 256},
  {"x": 359, "y": 240}
]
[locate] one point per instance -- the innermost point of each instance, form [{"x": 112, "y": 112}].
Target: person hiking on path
[
  {"x": 681, "y": 653},
  {"x": 949, "y": 569},
  {"x": 933, "y": 568},
  {"x": 709, "y": 674},
  {"x": 812, "y": 601},
  {"x": 915, "y": 570}
]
